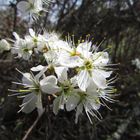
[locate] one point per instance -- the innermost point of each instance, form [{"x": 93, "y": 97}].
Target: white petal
[
  {"x": 78, "y": 112},
  {"x": 99, "y": 79},
  {"x": 106, "y": 74},
  {"x": 39, "y": 104},
  {"x": 38, "y": 4},
  {"x": 95, "y": 106},
  {"x": 24, "y": 7},
  {"x": 16, "y": 36},
  {"x": 83, "y": 80},
  {"x": 74, "y": 81},
  {"x": 56, "y": 104},
  {"x": 49, "y": 79},
  {"x": 100, "y": 58},
  {"x": 31, "y": 100},
  {"x": 32, "y": 33},
  {"x": 50, "y": 88},
  {"x": 61, "y": 73},
  {"x": 41, "y": 72},
  {"x": 92, "y": 88},
  {"x": 69, "y": 61},
  {"x": 38, "y": 68},
  {"x": 51, "y": 57},
  {"x": 84, "y": 46},
  {"x": 26, "y": 79},
  {"x": 72, "y": 102},
  {"x": 63, "y": 45},
  {"x": 52, "y": 79},
  {"x": 84, "y": 49},
  {"x": 4, "y": 45}
]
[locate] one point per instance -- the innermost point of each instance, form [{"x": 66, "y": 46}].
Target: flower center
[
  {"x": 74, "y": 53},
  {"x": 25, "y": 50},
  {"x": 45, "y": 49},
  {"x": 35, "y": 40},
  {"x": 32, "y": 6},
  {"x": 88, "y": 65},
  {"x": 66, "y": 87}
]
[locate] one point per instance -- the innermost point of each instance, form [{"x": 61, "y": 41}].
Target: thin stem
[{"x": 32, "y": 127}]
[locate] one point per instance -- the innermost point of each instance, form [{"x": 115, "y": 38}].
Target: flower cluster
[{"x": 75, "y": 76}]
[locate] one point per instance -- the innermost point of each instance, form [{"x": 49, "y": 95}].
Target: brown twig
[{"x": 33, "y": 125}]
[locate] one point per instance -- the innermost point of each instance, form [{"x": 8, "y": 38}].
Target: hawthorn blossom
[
  {"x": 67, "y": 89},
  {"x": 93, "y": 68},
  {"x": 33, "y": 89},
  {"x": 53, "y": 43},
  {"x": 90, "y": 102},
  {"x": 52, "y": 63},
  {"x": 52, "y": 38},
  {"x": 31, "y": 7},
  {"x": 23, "y": 48},
  {"x": 51, "y": 56},
  {"x": 136, "y": 62},
  {"x": 70, "y": 56}
]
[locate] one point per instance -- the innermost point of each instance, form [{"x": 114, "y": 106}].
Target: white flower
[
  {"x": 31, "y": 7},
  {"x": 70, "y": 56},
  {"x": 46, "y": 85},
  {"x": 23, "y": 48},
  {"x": 89, "y": 102},
  {"x": 4, "y": 46},
  {"x": 136, "y": 62},
  {"x": 39, "y": 41},
  {"x": 92, "y": 69},
  {"x": 49, "y": 85},
  {"x": 52, "y": 38},
  {"x": 51, "y": 58},
  {"x": 53, "y": 42},
  {"x": 92, "y": 99},
  {"x": 33, "y": 97},
  {"x": 34, "y": 89},
  {"x": 48, "y": 42},
  {"x": 68, "y": 94},
  {"x": 52, "y": 61},
  {"x": 41, "y": 44},
  {"x": 32, "y": 36}
]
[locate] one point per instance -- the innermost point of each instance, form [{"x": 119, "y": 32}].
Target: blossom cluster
[{"x": 75, "y": 76}]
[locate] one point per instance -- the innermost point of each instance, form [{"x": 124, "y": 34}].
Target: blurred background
[{"x": 115, "y": 24}]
